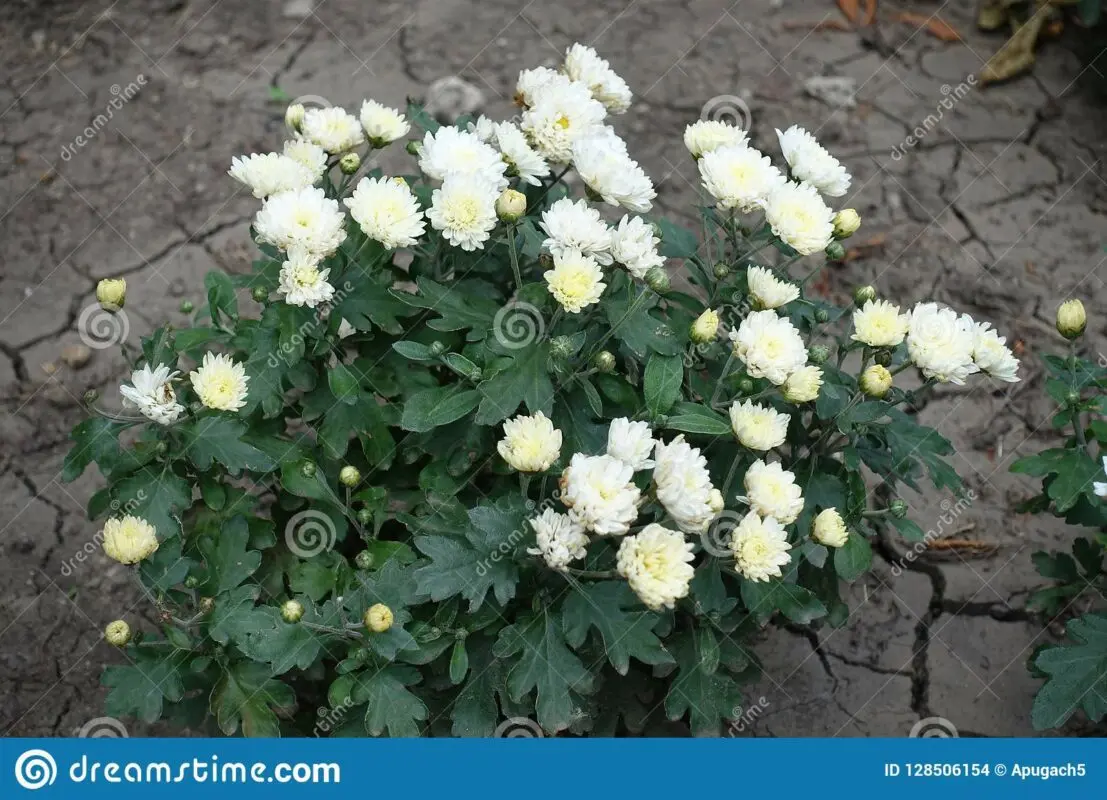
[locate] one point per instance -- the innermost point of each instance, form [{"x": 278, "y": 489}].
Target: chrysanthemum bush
[
  {"x": 489, "y": 445},
  {"x": 1073, "y": 488}
]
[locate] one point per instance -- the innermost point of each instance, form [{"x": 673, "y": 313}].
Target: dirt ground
[{"x": 998, "y": 208}]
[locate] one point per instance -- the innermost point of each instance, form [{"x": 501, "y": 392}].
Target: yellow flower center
[{"x": 562, "y": 122}]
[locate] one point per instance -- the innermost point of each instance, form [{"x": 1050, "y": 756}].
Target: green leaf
[
  {"x": 908, "y": 441},
  {"x": 157, "y": 495},
  {"x": 369, "y": 302},
  {"x": 798, "y": 604},
  {"x": 1075, "y": 474},
  {"x": 907, "y": 528},
  {"x": 219, "y": 438},
  {"x": 166, "y": 568},
  {"x": 694, "y": 418},
  {"x": 475, "y": 711},
  {"x": 853, "y": 559},
  {"x": 343, "y": 384},
  {"x": 246, "y": 694},
  {"x": 94, "y": 439},
  {"x": 392, "y": 706},
  {"x": 282, "y": 645},
  {"x": 233, "y": 615},
  {"x": 544, "y": 664},
  {"x": 661, "y": 383},
  {"x": 221, "y": 296},
  {"x": 433, "y": 408},
  {"x": 1077, "y": 675},
  {"x": 625, "y": 634},
  {"x": 526, "y": 380},
  {"x": 709, "y": 697},
  {"x": 640, "y": 331},
  {"x": 141, "y": 688},
  {"x": 416, "y": 351},
  {"x": 677, "y": 241},
  {"x": 227, "y": 559},
  {"x": 459, "y": 662},
  {"x": 462, "y": 306}
]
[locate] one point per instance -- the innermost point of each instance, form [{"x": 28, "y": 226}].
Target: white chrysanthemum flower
[
  {"x": 880, "y": 324},
  {"x": 345, "y": 329},
  {"x": 309, "y": 154},
  {"x": 452, "y": 152},
  {"x": 522, "y": 159},
  {"x": 560, "y": 540},
  {"x": 705, "y": 135},
  {"x": 760, "y": 547},
  {"x": 220, "y": 383},
  {"x": 305, "y": 218},
  {"x": 561, "y": 113},
  {"x": 576, "y": 226},
  {"x": 769, "y": 346},
  {"x": 387, "y": 211},
  {"x": 1101, "y": 488},
  {"x": 583, "y": 64},
  {"x": 484, "y": 128},
  {"x": 302, "y": 282},
  {"x": 797, "y": 214},
  {"x": 683, "y": 484},
  {"x": 771, "y": 491},
  {"x": 600, "y": 494},
  {"x": 270, "y": 173},
  {"x": 829, "y": 529},
  {"x": 739, "y": 177},
  {"x": 576, "y": 280},
  {"x": 758, "y": 427},
  {"x": 334, "y": 129},
  {"x": 530, "y": 444},
  {"x": 991, "y": 354},
  {"x": 811, "y": 163},
  {"x": 657, "y": 564},
  {"x": 382, "y": 125},
  {"x": 631, "y": 442},
  {"x": 941, "y": 344},
  {"x": 531, "y": 83},
  {"x": 151, "y": 392},
  {"x": 130, "y": 539},
  {"x": 769, "y": 291},
  {"x": 803, "y": 385},
  {"x": 464, "y": 209},
  {"x": 634, "y": 245},
  {"x": 600, "y": 158}
]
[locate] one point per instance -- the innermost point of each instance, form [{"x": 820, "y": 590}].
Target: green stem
[
  {"x": 634, "y": 306},
  {"x": 592, "y": 573},
  {"x": 722, "y": 377},
  {"x": 514, "y": 257},
  {"x": 524, "y": 484}
]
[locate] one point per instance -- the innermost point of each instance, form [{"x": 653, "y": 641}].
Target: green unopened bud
[
  {"x": 364, "y": 516},
  {"x": 835, "y": 251},
  {"x": 875, "y": 381},
  {"x": 364, "y": 560},
  {"x": 307, "y": 469},
  {"x": 186, "y": 306},
  {"x": 260, "y": 294},
  {"x": 413, "y": 148},
  {"x": 898, "y": 509},
  {"x": 883, "y": 358},
  {"x": 378, "y": 618},
  {"x": 476, "y": 374},
  {"x": 721, "y": 271},
  {"x": 294, "y": 116},
  {"x": 191, "y": 582},
  {"x": 437, "y": 348},
  {"x": 818, "y": 354},
  {"x": 846, "y": 223},
  {"x": 111, "y": 294},
  {"x": 292, "y": 611},
  {"x": 1071, "y": 319},
  {"x": 207, "y": 605},
  {"x": 604, "y": 361},
  {"x": 349, "y": 476},
  {"x": 1072, "y": 398},
  {"x": 863, "y": 294},
  {"x": 91, "y": 396},
  {"x": 821, "y": 315},
  {"x": 561, "y": 347},
  {"x": 511, "y": 205},
  {"x": 705, "y": 328},
  {"x": 161, "y": 448},
  {"x": 658, "y": 280},
  {"x": 349, "y": 163},
  {"x": 745, "y": 386},
  {"x": 118, "y": 633}
]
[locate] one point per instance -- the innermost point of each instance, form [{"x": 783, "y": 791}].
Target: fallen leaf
[
  {"x": 851, "y": 8},
  {"x": 1017, "y": 55},
  {"x": 825, "y": 25},
  {"x": 870, "y": 12},
  {"x": 935, "y": 26},
  {"x": 1019, "y": 347},
  {"x": 864, "y": 249}
]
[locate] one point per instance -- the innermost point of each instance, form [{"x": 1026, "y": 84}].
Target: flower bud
[
  {"x": 191, "y": 582},
  {"x": 378, "y": 618},
  {"x": 292, "y": 611},
  {"x": 364, "y": 560},
  {"x": 437, "y": 348},
  {"x": 294, "y": 116},
  {"x": 715, "y": 501},
  {"x": 721, "y": 271},
  {"x": 883, "y": 358},
  {"x": 898, "y": 509},
  {"x": 307, "y": 469},
  {"x": 364, "y": 516},
  {"x": 111, "y": 293},
  {"x": 829, "y": 529},
  {"x": 186, "y": 306},
  {"x": 604, "y": 361},
  {"x": 846, "y": 223},
  {"x": 118, "y": 633},
  {"x": 863, "y": 294},
  {"x": 1072, "y": 398},
  {"x": 1071, "y": 319},
  {"x": 705, "y": 328},
  {"x": 658, "y": 280},
  {"x": 413, "y": 148},
  {"x": 821, "y": 315},
  {"x": 561, "y": 347},
  {"x": 260, "y": 294},
  {"x": 745, "y": 386},
  {"x": 91, "y": 396},
  {"x": 835, "y": 251},
  {"x": 511, "y": 205},
  {"x": 207, "y": 605},
  {"x": 876, "y": 381},
  {"x": 349, "y": 163},
  {"x": 349, "y": 476},
  {"x": 818, "y": 354}
]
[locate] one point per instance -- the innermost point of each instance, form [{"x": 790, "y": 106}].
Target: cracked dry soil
[{"x": 999, "y": 209}]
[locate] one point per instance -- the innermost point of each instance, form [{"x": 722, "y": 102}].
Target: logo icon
[{"x": 35, "y": 769}]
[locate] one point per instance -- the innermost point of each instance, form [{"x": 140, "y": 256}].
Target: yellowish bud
[
  {"x": 876, "y": 381},
  {"x": 829, "y": 529},
  {"x": 292, "y": 611},
  {"x": 846, "y": 223},
  {"x": 349, "y": 476},
  {"x": 118, "y": 633},
  {"x": 111, "y": 293},
  {"x": 349, "y": 163},
  {"x": 1071, "y": 319},
  {"x": 706, "y": 327},
  {"x": 511, "y": 205},
  {"x": 378, "y": 618},
  {"x": 715, "y": 501},
  {"x": 294, "y": 116}
]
